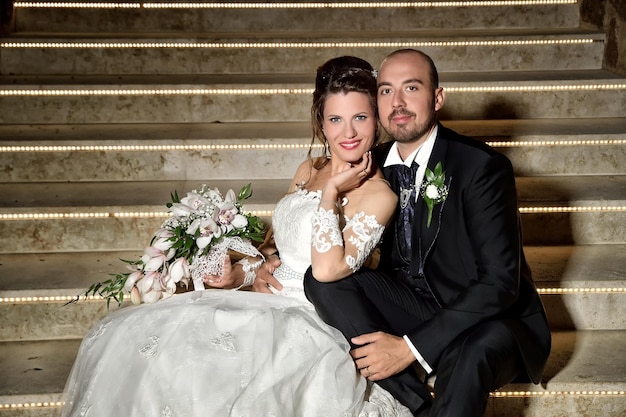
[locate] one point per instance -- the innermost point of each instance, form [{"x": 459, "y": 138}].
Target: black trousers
[{"x": 484, "y": 358}]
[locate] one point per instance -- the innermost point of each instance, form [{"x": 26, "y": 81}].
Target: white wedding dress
[{"x": 222, "y": 353}]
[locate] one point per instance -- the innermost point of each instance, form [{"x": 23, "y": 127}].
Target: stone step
[
  {"x": 270, "y": 151},
  {"x": 258, "y": 21},
  {"x": 583, "y": 287},
  {"x": 41, "y": 196},
  {"x": 584, "y": 376},
  {"x": 499, "y": 130},
  {"x": 293, "y": 77},
  {"x": 69, "y": 220},
  {"x": 150, "y": 56},
  {"x": 291, "y": 102},
  {"x": 574, "y": 267},
  {"x": 578, "y": 362}
]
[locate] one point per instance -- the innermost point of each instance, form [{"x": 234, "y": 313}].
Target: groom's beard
[{"x": 403, "y": 134}]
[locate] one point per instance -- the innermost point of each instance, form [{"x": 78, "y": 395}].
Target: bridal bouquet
[{"x": 190, "y": 244}]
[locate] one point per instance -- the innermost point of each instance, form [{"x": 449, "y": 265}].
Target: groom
[{"x": 453, "y": 296}]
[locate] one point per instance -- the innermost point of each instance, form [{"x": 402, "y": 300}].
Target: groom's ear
[{"x": 440, "y": 98}]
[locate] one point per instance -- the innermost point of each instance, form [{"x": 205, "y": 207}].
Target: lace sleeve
[
  {"x": 361, "y": 235},
  {"x": 326, "y": 233}
]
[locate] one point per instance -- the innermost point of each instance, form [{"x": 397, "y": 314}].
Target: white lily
[
  {"x": 170, "y": 254},
  {"x": 151, "y": 297},
  {"x": 132, "y": 279},
  {"x": 194, "y": 200},
  {"x": 204, "y": 241},
  {"x": 230, "y": 197},
  {"x": 209, "y": 230},
  {"x": 155, "y": 262},
  {"x": 147, "y": 282},
  {"x": 163, "y": 243},
  {"x": 193, "y": 227},
  {"x": 240, "y": 221},
  {"x": 179, "y": 269},
  {"x": 182, "y": 210},
  {"x": 166, "y": 283},
  {"x": 135, "y": 296}
]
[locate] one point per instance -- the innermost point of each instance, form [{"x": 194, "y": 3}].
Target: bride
[{"x": 247, "y": 353}]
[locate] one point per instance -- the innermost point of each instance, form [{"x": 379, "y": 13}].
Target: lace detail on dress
[
  {"x": 213, "y": 262},
  {"x": 167, "y": 412},
  {"x": 84, "y": 410},
  {"x": 326, "y": 233},
  {"x": 99, "y": 331},
  {"x": 285, "y": 273},
  {"x": 149, "y": 350},
  {"x": 364, "y": 233},
  {"x": 225, "y": 341}
]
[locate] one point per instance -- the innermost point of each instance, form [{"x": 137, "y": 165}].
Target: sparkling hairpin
[{"x": 374, "y": 73}]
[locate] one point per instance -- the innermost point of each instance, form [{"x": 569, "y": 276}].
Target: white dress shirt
[{"x": 421, "y": 155}]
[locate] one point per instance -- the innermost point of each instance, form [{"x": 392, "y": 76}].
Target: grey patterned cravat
[{"x": 406, "y": 193}]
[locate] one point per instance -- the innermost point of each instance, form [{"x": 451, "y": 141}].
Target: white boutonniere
[{"x": 434, "y": 190}]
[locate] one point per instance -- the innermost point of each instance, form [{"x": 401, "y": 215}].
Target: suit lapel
[
  {"x": 423, "y": 237},
  {"x": 380, "y": 154}
]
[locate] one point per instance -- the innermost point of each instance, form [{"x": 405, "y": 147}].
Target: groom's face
[{"x": 407, "y": 104}]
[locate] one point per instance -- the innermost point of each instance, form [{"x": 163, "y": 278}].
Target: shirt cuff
[{"x": 417, "y": 355}]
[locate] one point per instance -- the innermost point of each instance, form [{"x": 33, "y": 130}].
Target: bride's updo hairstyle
[{"x": 343, "y": 75}]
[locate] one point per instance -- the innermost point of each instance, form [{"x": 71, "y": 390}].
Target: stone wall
[
  {"x": 610, "y": 16},
  {"x": 6, "y": 17}
]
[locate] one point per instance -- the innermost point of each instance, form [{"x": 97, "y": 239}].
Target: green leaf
[
  {"x": 245, "y": 192},
  {"x": 112, "y": 288}
]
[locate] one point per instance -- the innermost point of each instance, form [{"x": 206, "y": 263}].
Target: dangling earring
[{"x": 326, "y": 146}]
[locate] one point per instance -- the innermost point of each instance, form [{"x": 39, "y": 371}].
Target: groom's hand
[
  {"x": 381, "y": 355},
  {"x": 265, "y": 280}
]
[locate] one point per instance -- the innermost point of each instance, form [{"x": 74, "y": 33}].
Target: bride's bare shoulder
[
  {"x": 307, "y": 171},
  {"x": 380, "y": 186}
]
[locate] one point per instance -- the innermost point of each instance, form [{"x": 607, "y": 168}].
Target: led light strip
[
  {"x": 249, "y": 45},
  {"x": 265, "y": 213},
  {"x": 49, "y": 299},
  {"x": 160, "y": 92},
  {"x": 575, "y": 209},
  {"x": 533, "y": 88},
  {"x": 157, "y": 148},
  {"x": 74, "y": 5},
  {"x": 287, "y": 91},
  {"x": 82, "y": 298},
  {"x": 501, "y": 394},
  {"x": 497, "y": 394},
  {"x": 103, "y": 215},
  {"x": 13, "y": 406},
  {"x": 535, "y": 143},
  {"x": 273, "y": 146},
  {"x": 600, "y": 290},
  {"x": 289, "y": 5}
]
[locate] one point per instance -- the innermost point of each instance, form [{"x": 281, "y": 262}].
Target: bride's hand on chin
[
  {"x": 265, "y": 280},
  {"x": 352, "y": 175}
]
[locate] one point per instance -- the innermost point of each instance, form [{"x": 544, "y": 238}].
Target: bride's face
[{"x": 349, "y": 125}]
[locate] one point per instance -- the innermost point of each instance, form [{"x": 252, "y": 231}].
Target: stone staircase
[{"x": 106, "y": 110}]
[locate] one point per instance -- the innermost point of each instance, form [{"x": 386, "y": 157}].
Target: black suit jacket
[{"x": 471, "y": 256}]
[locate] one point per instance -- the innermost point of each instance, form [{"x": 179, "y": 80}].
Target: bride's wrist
[
  {"x": 249, "y": 269},
  {"x": 330, "y": 204}
]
